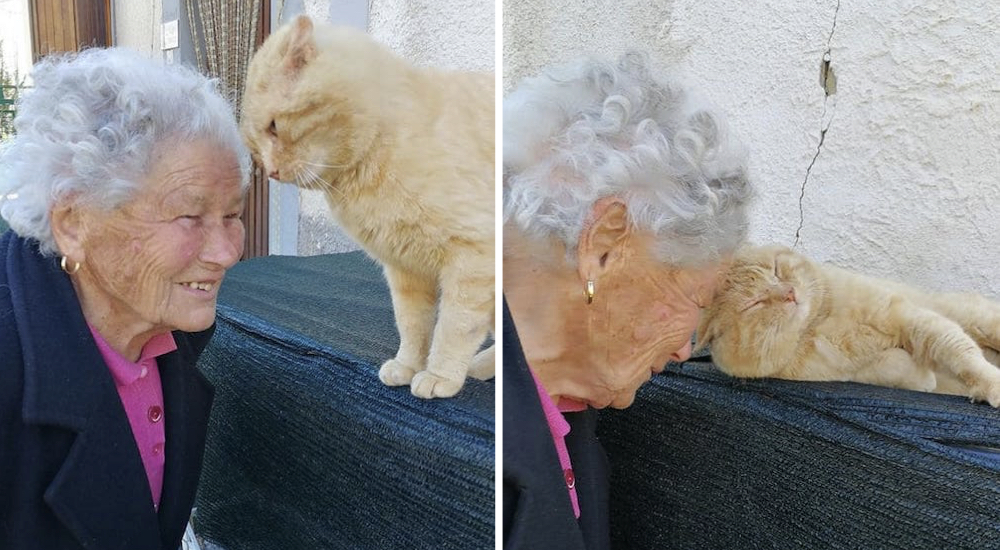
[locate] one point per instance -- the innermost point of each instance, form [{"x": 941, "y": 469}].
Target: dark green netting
[
  {"x": 705, "y": 461},
  {"x": 306, "y": 448}
]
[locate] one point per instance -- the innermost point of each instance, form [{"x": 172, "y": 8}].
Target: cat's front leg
[
  {"x": 464, "y": 318},
  {"x": 413, "y": 303},
  {"x": 933, "y": 339}
]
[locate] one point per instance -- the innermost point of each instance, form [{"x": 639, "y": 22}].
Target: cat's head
[
  {"x": 767, "y": 294},
  {"x": 311, "y": 102}
]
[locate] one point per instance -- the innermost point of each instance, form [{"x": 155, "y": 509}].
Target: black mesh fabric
[
  {"x": 705, "y": 461},
  {"x": 306, "y": 448}
]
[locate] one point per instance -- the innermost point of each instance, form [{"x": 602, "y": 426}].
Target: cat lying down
[{"x": 777, "y": 314}]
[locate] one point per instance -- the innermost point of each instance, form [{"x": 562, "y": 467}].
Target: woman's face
[
  {"x": 156, "y": 263},
  {"x": 644, "y": 314}
]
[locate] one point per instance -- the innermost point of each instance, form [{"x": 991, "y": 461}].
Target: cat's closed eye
[{"x": 273, "y": 129}]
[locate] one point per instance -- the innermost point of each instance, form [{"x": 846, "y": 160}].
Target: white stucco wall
[
  {"x": 15, "y": 33},
  {"x": 137, "y": 25},
  {"x": 907, "y": 178},
  {"x": 457, "y": 34}
]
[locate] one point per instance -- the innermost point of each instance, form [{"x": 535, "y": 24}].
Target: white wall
[
  {"x": 15, "y": 33},
  {"x": 906, "y": 181},
  {"x": 453, "y": 34},
  {"x": 137, "y": 25}
]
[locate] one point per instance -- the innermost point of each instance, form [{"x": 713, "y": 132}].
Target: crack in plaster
[{"x": 827, "y": 73}]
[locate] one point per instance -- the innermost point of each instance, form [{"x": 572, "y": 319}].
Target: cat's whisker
[
  {"x": 322, "y": 183},
  {"x": 302, "y": 180},
  {"x": 321, "y": 165}
]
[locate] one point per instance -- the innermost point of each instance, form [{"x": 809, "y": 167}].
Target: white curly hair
[
  {"x": 592, "y": 129},
  {"x": 88, "y": 129}
]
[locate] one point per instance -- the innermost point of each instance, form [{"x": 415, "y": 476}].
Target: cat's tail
[{"x": 483, "y": 365}]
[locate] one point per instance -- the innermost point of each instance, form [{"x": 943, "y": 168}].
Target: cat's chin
[{"x": 800, "y": 310}]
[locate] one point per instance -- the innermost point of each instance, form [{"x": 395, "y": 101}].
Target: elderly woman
[
  {"x": 623, "y": 197},
  {"x": 123, "y": 189}
]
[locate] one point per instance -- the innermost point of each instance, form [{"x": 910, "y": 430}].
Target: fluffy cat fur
[
  {"x": 405, "y": 158},
  {"x": 777, "y": 314}
]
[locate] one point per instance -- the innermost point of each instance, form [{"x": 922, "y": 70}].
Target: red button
[
  {"x": 155, "y": 414},
  {"x": 570, "y": 478}
]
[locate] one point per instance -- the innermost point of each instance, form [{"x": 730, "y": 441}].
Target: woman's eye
[
  {"x": 273, "y": 129},
  {"x": 233, "y": 216}
]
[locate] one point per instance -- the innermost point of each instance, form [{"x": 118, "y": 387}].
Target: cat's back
[{"x": 457, "y": 108}]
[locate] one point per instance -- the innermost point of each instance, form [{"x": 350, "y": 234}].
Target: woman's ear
[
  {"x": 604, "y": 235},
  {"x": 68, "y": 229}
]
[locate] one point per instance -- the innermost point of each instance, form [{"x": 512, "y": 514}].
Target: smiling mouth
[{"x": 196, "y": 285}]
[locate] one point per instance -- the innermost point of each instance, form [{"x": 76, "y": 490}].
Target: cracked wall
[{"x": 888, "y": 165}]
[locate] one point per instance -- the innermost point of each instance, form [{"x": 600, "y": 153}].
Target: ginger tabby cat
[
  {"x": 777, "y": 314},
  {"x": 405, "y": 158}
]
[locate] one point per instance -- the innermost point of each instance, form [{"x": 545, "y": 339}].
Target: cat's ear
[
  {"x": 603, "y": 237},
  {"x": 301, "y": 45}
]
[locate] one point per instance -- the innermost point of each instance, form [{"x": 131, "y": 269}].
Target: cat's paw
[
  {"x": 987, "y": 391},
  {"x": 394, "y": 373},
  {"x": 993, "y": 395},
  {"x": 428, "y": 385}
]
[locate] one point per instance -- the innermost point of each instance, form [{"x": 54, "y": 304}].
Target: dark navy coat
[
  {"x": 537, "y": 512},
  {"x": 70, "y": 473}
]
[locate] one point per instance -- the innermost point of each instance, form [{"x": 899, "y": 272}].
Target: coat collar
[{"x": 101, "y": 492}]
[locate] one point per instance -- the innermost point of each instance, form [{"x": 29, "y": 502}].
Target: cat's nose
[
  {"x": 790, "y": 295},
  {"x": 273, "y": 174}
]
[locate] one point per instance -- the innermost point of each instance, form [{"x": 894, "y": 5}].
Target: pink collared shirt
[
  {"x": 139, "y": 388},
  {"x": 560, "y": 429}
]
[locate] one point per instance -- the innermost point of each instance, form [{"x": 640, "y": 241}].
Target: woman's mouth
[{"x": 200, "y": 287}]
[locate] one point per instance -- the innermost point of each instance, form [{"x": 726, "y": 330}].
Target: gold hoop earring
[
  {"x": 62, "y": 264},
  {"x": 590, "y": 291}
]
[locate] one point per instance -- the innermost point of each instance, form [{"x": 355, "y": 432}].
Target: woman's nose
[
  {"x": 223, "y": 245},
  {"x": 682, "y": 354}
]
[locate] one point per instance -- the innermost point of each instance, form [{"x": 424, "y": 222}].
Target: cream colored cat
[
  {"x": 405, "y": 158},
  {"x": 777, "y": 314}
]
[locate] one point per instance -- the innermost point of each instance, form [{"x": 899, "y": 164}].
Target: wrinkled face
[
  {"x": 158, "y": 261},
  {"x": 770, "y": 287},
  {"x": 641, "y": 318}
]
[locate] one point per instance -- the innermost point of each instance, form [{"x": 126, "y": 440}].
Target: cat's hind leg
[
  {"x": 464, "y": 318},
  {"x": 484, "y": 364},
  {"x": 937, "y": 340},
  {"x": 414, "y": 300}
]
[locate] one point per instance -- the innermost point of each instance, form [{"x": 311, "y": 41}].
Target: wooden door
[{"x": 68, "y": 25}]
